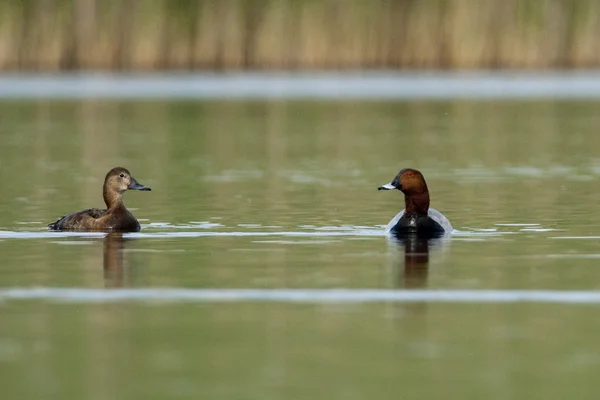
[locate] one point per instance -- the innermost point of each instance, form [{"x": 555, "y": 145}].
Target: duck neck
[
  {"x": 417, "y": 203},
  {"x": 112, "y": 199}
]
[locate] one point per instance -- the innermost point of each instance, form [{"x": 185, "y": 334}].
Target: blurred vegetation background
[{"x": 297, "y": 34}]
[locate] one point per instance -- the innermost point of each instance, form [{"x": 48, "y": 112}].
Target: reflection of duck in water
[
  {"x": 416, "y": 218},
  {"x": 113, "y": 260},
  {"x": 116, "y": 217},
  {"x": 411, "y": 268},
  {"x": 416, "y": 261}
]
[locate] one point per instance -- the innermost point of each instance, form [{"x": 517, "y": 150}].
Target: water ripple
[
  {"x": 206, "y": 229},
  {"x": 312, "y": 296},
  {"x": 322, "y": 85}
]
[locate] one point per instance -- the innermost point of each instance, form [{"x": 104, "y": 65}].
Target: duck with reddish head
[
  {"x": 416, "y": 218},
  {"x": 116, "y": 217}
]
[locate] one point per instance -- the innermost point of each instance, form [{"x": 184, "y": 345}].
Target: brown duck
[
  {"x": 116, "y": 217},
  {"x": 417, "y": 217}
]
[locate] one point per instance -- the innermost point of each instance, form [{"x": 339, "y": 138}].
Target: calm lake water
[{"x": 259, "y": 209}]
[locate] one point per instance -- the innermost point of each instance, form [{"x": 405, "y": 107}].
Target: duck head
[
  {"x": 120, "y": 180},
  {"x": 412, "y": 183}
]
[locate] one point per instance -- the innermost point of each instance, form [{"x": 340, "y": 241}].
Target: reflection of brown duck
[
  {"x": 416, "y": 261},
  {"x": 113, "y": 260},
  {"x": 412, "y": 266},
  {"x": 116, "y": 217}
]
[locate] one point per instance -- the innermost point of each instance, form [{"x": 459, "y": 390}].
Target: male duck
[
  {"x": 116, "y": 217},
  {"x": 416, "y": 218}
]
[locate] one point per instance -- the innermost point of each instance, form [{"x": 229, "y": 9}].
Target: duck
[
  {"x": 416, "y": 218},
  {"x": 116, "y": 217}
]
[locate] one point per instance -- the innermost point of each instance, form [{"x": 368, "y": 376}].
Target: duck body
[
  {"x": 92, "y": 219},
  {"x": 116, "y": 217},
  {"x": 416, "y": 218},
  {"x": 434, "y": 224}
]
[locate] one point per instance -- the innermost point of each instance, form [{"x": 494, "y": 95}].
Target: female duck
[
  {"x": 417, "y": 217},
  {"x": 116, "y": 217}
]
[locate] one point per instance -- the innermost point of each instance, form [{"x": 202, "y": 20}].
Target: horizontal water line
[
  {"x": 188, "y": 234},
  {"x": 308, "y": 296},
  {"x": 299, "y": 85},
  {"x": 174, "y": 234}
]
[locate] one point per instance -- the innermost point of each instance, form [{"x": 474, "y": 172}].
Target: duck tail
[{"x": 54, "y": 225}]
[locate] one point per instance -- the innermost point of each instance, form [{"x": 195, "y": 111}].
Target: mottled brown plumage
[{"x": 115, "y": 218}]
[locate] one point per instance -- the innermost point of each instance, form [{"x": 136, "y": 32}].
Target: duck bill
[
  {"x": 387, "y": 186},
  {"x": 135, "y": 185}
]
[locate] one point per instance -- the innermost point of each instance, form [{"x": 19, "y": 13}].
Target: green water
[{"x": 270, "y": 195}]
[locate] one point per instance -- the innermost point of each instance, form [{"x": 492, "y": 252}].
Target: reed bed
[{"x": 52, "y": 35}]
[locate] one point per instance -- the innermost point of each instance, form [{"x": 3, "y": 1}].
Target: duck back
[{"x": 77, "y": 221}]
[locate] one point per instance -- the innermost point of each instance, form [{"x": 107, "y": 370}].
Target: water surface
[
  {"x": 259, "y": 202},
  {"x": 372, "y": 85}
]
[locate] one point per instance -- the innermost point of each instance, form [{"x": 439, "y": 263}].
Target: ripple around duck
[{"x": 209, "y": 229}]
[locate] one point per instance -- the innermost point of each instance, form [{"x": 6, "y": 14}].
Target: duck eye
[
  {"x": 409, "y": 174},
  {"x": 122, "y": 175}
]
